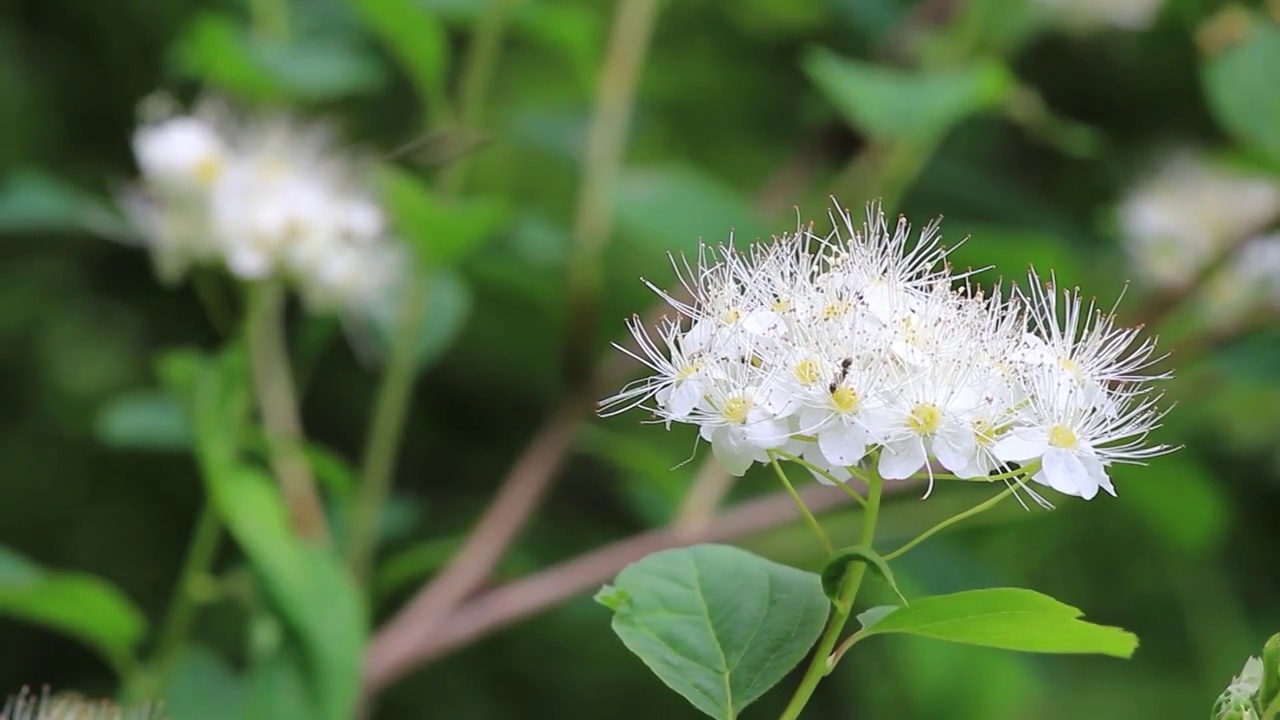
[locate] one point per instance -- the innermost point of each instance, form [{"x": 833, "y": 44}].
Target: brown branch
[
  {"x": 522, "y": 598},
  {"x": 397, "y": 642}
]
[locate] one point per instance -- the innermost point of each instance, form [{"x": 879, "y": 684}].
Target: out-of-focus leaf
[
  {"x": 1009, "y": 252},
  {"x": 221, "y": 52},
  {"x": 313, "y": 594},
  {"x": 448, "y": 304},
  {"x": 916, "y": 106},
  {"x": 203, "y": 687},
  {"x": 417, "y": 38},
  {"x": 443, "y": 231},
  {"x": 85, "y": 607},
  {"x": 1179, "y": 499},
  {"x": 144, "y": 420},
  {"x": 568, "y": 30},
  {"x": 1270, "y": 689},
  {"x": 1008, "y": 618},
  {"x": 717, "y": 624},
  {"x": 32, "y": 202},
  {"x": 278, "y": 688},
  {"x": 673, "y": 208},
  {"x": 1245, "y": 104}
]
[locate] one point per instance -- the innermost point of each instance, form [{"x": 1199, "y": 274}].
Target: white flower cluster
[
  {"x": 264, "y": 198},
  {"x": 1191, "y": 212},
  {"x": 856, "y": 348}
]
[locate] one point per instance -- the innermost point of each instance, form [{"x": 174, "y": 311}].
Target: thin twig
[
  {"x": 396, "y": 643},
  {"x": 519, "y": 599}
]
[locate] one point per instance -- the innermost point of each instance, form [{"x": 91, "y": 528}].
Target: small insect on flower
[
  {"x": 263, "y": 197},
  {"x": 860, "y": 349}
]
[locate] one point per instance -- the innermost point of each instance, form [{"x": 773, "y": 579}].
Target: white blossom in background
[
  {"x": 264, "y": 197},
  {"x": 1239, "y": 700},
  {"x": 860, "y": 347},
  {"x": 1248, "y": 282},
  {"x": 1187, "y": 213},
  {"x": 1121, "y": 14}
]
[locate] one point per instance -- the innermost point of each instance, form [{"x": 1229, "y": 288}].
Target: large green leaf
[
  {"x": 893, "y": 104},
  {"x": 203, "y": 687},
  {"x": 80, "y": 605},
  {"x": 717, "y": 624},
  {"x": 310, "y": 589},
  {"x": 416, "y": 36},
  {"x": 219, "y": 51},
  {"x": 1008, "y": 618},
  {"x": 674, "y": 207},
  {"x": 1240, "y": 95}
]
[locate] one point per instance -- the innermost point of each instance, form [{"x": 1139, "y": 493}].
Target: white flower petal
[
  {"x": 842, "y": 443},
  {"x": 1022, "y": 444},
  {"x": 902, "y": 459}
]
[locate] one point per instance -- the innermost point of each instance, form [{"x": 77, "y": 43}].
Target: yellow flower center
[
  {"x": 924, "y": 419},
  {"x": 687, "y": 370},
  {"x": 781, "y": 306},
  {"x": 731, "y": 316},
  {"x": 735, "y": 410},
  {"x": 208, "y": 170},
  {"x": 984, "y": 432},
  {"x": 807, "y": 372},
  {"x": 836, "y": 310},
  {"x": 845, "y": 399},
  {"x": 1061, "y": 436}
]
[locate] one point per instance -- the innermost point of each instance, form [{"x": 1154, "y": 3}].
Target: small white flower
[
  {"x": 1240, "y": 700},
  {"x": 180, "y": 154}
]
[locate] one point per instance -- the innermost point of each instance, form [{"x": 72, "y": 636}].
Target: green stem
[
  {"x": 386, "y": 430},
  {"x": 980, "y": 508},
  {"x": 820, "y": 665},
  {"x": 804, "y": 509},
  {"x": 278, "y": 407},
  {"x": 1273, "y": 710},
  {"x": 814, "y": 468},
  {"x": 177, "y": 624},
  {"x": 606, "y": 137},
  {"x": 478, "y": 69}
]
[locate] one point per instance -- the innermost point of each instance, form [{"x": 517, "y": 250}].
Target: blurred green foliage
[{"x": 1021, "y": 135}]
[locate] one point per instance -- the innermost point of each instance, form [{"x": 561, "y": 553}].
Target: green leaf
[
  {"x": 144, "y": 420},
  {"x": 1270, "y": 689},
  {"x": 892, "y": 104},
  {"x": 717, "y": 624},
  {"x": 1008, "y": 618},
  {"x": 838, "y": 565},
  {"x": 1246, "y": 106},
  {"x": 416, "y": 36},
  {"x": 674, "y": 207},
  {"x": 203, "y": 687},
  {"x": 310, "y": 589},
  {"x": 33, "y": 202},
  {"x": 443, "y": 231},
  {"x": 277, "y": 687},
  {"x": 77, "y": 604},
  {"x": 221, "y": 52}
]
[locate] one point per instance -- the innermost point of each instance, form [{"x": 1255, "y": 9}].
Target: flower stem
[
  {"x": 478, "y": 67},
  {"x": 814, "y": 468},
  {"x": 177, "y": 623},
  {"x": 976, "y": 509},
  {"x": 278, "y": 407},
  {"x": 820, "y": 665},
  {"x": 804, "y": 510},
  {"x": 386, "y": 430}
]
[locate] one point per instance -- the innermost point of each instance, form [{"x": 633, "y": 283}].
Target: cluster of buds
[
  {"x": 863, "y": 349},
  {"x": 264, "y": 198}
]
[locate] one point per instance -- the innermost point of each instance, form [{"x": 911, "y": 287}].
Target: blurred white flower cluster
[
  {"x": 1238, "y": 701},
  {"x": 263, "y": 197},
  {"x": 1122, "y": 14},
  {"x": 856, "y": 348},
  {"x": 1191, "y": 213}
]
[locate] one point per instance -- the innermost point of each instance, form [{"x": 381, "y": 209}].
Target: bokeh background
[{"x": 1027, "y": 126}]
